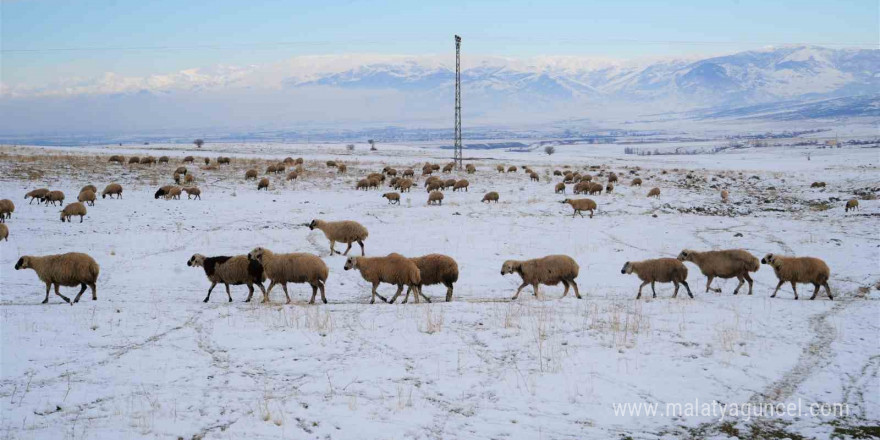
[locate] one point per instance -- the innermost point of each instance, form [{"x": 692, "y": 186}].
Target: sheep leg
[
  {"x": 449, "y": 292},
  {"x": 777, "y": 288},
  {"x": 227, "y": 292},
  {"x": 591, "y": 213},
  {"x": 815, "y": 292},
  {"x": 375, "y": 294},
  {"x": 399, "y": 290},
  {"x": 314, "y": 293},
  {"x": 794, "y": 288},
  {"x": 405, "y": 297},
  {"x": 48, "y": 287},
  {"x": 347, "y": 249},
  {"x": 516, "y": 295},
  {"x": 535, "y": 288},
  {"x": 284, "y": 286},
  {"x": 652, "y": 289},
  {"x": 250, "y": 292},
  {"x": 417, "y": 294},
  {"x": 749, "y": 279},
  {"x": 828, "y": 290},
  {"x": 639, "y": 296},
  {"x": 565, "y": 292},
  {"x": 741, "y": 282},
  {"x": 361, "y": 242},
  {"x": 425, "y": 297},
  {"x": 577, "y": 294},
  {"x": 84, "y": 287},
  {"x": 213, "y": 283},
  {"x": 323, "y": 297},
  {"x": 66, "y": 299},
  {"x": 675, "y": 294},
  {"x": 268, "y": 291},
  {"x": 708, "y": 283},
  {"x": 332, "y": 245},
  {"x": 688, "y": 288}
]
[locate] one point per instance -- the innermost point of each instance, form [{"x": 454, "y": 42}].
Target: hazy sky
[{"x": 44, "y": 41}]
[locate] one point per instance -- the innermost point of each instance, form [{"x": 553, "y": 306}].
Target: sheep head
[
  {"x": 23, "y": 263},
  {"x": 257, "y": 254},
  {"x": 510, "y": 266},
  {"x": 685, "y": 255},
  {"x": 196, "y": 260},
  {"x": 351, "y": 263},
  {"x": 627, "y": 268},
  {"x": 769, "y": 259}
]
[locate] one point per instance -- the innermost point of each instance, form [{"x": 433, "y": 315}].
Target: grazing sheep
[
  {"x": 449, "y": 183},
  {"x": 373, "y": 183},
  {"x": 654, "y": 192},
  {"x": 549, "y": 270},
  {"x": 270, "y": 169},
  {"x": 87, "y": 197},
  {"x": 37, "y": 194},
  {"x": 69, "y": 270},
  {"x": 434, "y": 269},
  {"x": 220, "y": 160},
  {"x": 471, "y": 169},
  {"x": 594, "y": 188},
  {"x": 134, "y": 159},
  {"x": 180, "y": 170},
  {"x": 409, "y": 172},
  {"x": 500, "y": 168},
  {"x": 435, "y": 167},
  {"x": 292, "y": 175},
  {"x": 393, "y": 182},
  {"x": 75, "y": 208},
  {"x": 376, "y": 176},
  {"x": 341, "y": 168},
  {"x": 660, "y": 270},
  {"x": 432, "y": 179},
  {"x": 569, "y": 178},
  {"x": 346, "y": 231},
  {"x": 235, "y": 270},
  {"x": 852, "y": 204},
  {"x": 534, "y": 177},
  {"x": 6, "y": 209},
  {"x": 173, "y": 193},
  {"x": 176, "y": 177},
  {"x": 391, "y": 269},
  {"x": 389, "y": 171},
  {"x": 491, "y": 196},
  {"x": 163, "y": 159},
  {"x": 263, "y": 184},
  {"x": 724, "y": 195},
  {"x": 560, "y": 188},
  {"x": 609, "y": 187},
  {"x": 188, "y": 159},
  {"x": 404, "y": 185},
  {"x": 817, "y": 185},
  {"x": 193, "y": 191},
  {"x": 363, "y": 184},
  {"x": 799, "y": 270},
  {"x": 557, "y": 172},
  {"x": 434, "y": 186},
  {"x": 291, "y": 268},
  {"x": 612, "y": 178},
  {"x": 91, "y": 188},
  {"x": 435, "y": 198},
  {"x": 512, "y": 169},
  {"x": 189, "y": 178},
  {"x": 149, "y": 160},
  {"x": 4, "y": 232},
  {"x": 393, "y": 198},
  {"x": 113, "y": 189},
  {"x": 289, "y": 161},
  {"x": 427, "y": 171},
  {"x": 448, "y": 167},
  {"x": 331, "y": 163},
  {"x": 250, "y": 174},
  {"x": 723, "y": 264},
  {"x": 636, "y": 182},
  {"x": 580, "y": 187},
  {"x": 54, "y": 196},
  {"x": 117, "y": 159},
  {"x": 461, "y": 184},
  {"x": 279, "y": 168},
  {"x": 581, "y": 205}
]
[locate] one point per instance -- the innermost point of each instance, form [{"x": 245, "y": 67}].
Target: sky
[{"x": 46, "y": 40}]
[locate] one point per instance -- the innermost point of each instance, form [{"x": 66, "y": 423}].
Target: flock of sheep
[{"x": 261, "y": 264}]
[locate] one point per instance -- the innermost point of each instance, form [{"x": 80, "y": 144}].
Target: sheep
[
  {"x": 235, "y": 270},
  {"x": 75, "y": 208},
  {"x": 288, "y": 161},
  {"x": 512, "y": 169},
  {"x": 557, "y": 172},
  {"x": 427, "y": 171},
  {"x": 298, "y": 161},
  {"x": 636, "y": 182},
  {"x": 581, "y": 205},
  {"x": 87, "y": 197},
  {"x": 292, "y": 175},
  {"x": 389, "y": 171},
  {"x": 189, "y": 178},
  {"x": 54, "y": 196},
  {"x": 6, "y": 209},
  {"x": 724, "y": 195},
  {"x": 435, "y": 167},
  {"x": 279, "y": 168},
  {"x": 432, "y": 179},
  {"x": 612, "y": 178},
  {"x": 534, "y": 177},
  {"x": 346, "y": 231},
  {"x": 409, "y": 172},
  {"x": 817, "y": 185},
  {"x": 250, "y": 174},
  {"x": 373, "y": 183},
  {"x": 594, "y": 188},
  {"x": 560, "y": 188},
  {"x": 580, "y": 187},
  {"x": 723, "y": 264},
  {"x": 207, "y": 161},
  {"x": 149, "y": 160},
  {"x": 434, "y": 269},
  {"x": 461, "y": 184},
  {"x": 435, "y": 198},
  {"x": 163, "y": 159},
  {"x": 117, "y": 159},
  {"x": 470, "y": 168},
  {"x": 111, "y": 190},
  {"x": 609, "y": 187},
  {"x": 662, "y": 270},
  {"x": 37, "y": 194},
  {"x": 181, "y": 170},
  {"x": 220, "y": 160},
  {"x": 404, "y": 185},
  {"x": 188, "y": 159},
  {"x": 799, "y": 270},
  {"x": 331, "y": 163},
  {"x": 91, "y": 188},
  {"x": 852, "y": 204},
  {"x": 434, "y": 186},
  {"x": 291, "y": 268},
  {"x": 69, "y": 270},
  {"x": 391, "y": 269},
  {"x": 341, "y": 168},
  {"x": 263, "y": 184},
  {"x": 173, "y": 193},
  {"x": 376, "y": 176},
  {"x": 176, "y": 177},
  {"x": 448, "y": 167},
  {"x": 363, "y": 184},
  {"x": 549, "y": 270},
  {"x": 193, "y": 191},
  {"x": 500, "y": 168},
  {"x": 4, "y": 232},
  {"x": 270, "y": 169},
  {"x": 393, "y": 198},
  {"x": 654, "y": 192},
  {"x": 490, "y": 196},
  {"x": 133, "y": 160}
]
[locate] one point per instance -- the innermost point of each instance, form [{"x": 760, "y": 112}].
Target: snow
[{"x": 150, "y": 360}]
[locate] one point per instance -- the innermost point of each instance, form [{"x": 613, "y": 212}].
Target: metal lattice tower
[{"x": 457, "y": 147}]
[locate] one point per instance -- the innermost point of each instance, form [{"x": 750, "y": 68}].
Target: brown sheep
[
  {"x": 636, "y": 182},
  {"x": 207, "y": 161},
  {"x": 723, "y": 264},
  {"x": 461, "y": 184},
  {"x": 298, "y": 161},
  {"x": 87, "y": 197},
  {"x": 449, "y": 183},
  {"x": 189, "y": 178},
  {"x": 609, "y": 187},
  {"x": 654, "y": 192},
  {"x": 331, "y": 163},
  {"x": 434, "y": 186},
  {"x": 163, "y": 159},
  {"x": 37, "y": 194},
  {"x": 6, "y": 209},
  {"x": 363, "y": 184},
  {"x": 560, "y": 188},
  {"x": 491, "y": 196},
  {"x": 234, "y": 271},
  {"x": 341, "y": 168},
  {"x": 4, "y": 232},
  {"x": 91, "y": 188},
  {"x": 549, "y": 270},
  {"x": 612, "y": 178},
  {"x": 288, "y": 161},
  {"x": 409, "y": 172},
  {"x": 188, "y": 159},
  {"x": 181, "y": 170},
  {"x": 54, "y": 196},
  {"x": 817, "y": 185},
  {"x": 250, "y": 174},
  {"x": 500, "y": 168},
  {"x": 852, "y": 204},
  {"x": 346, "y": 231},
  {"x": 391, "y": 269},
  {"x": 660, "y": 270},
  {"x": 534, "y": 177},
  {"x": 470, "y": 169},
  {"x": 193, "y": 191},
  {"x": 222, "y": 160},
  {"x": 173, "y": 193},
  {"x": 117, "y": 159},
  {"x": 149, "y": 160},
  {"x": 376, "y": 176},
  {"x": 511, "y": 169},
  {"x": 176, "y": 177},
  {"x": 162, "y": 191},
  {"x": 270, "y": 169},
  {"x": 435, "y": 198},
  {"x": 432, "y": 179},
  {"x": 393, "y": 198},
  {"x": 292, "y": 175},
  {"x": 448, "y": 167},
  {"x": 595, "y": 188},
  {"x": 404, "y": 185},
  {"x": 133, "y": 160},
  {"x": 581, "y": 187},
  {"x": 291, "y": 268},
  {"x": 263, "y": 184},
  {"x": 724, "y": 195},
  {"x": 373, "y": 183},
  {"x": 799, "y": 270},
  {"x": 434, "y": 269},
  {"x": 581, "y": 205},
  {"x": 113, "y": 189},
  {"x": 69, "y": 270}
]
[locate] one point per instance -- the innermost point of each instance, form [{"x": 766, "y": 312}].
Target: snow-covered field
[{"x": 150, "y": 360}]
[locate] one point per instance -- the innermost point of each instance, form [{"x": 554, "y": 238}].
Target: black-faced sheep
[
  {"x": 660, "y": 270},
  {"x": 549, "y": 270},
  {"x": 111, "y": 190},
  {"x": 69, "y": 270},
  {"x": 73, "y": 209},
  {"x": 291, "y": 268},
  {"x": 263, "y": 184},
  {"x": 560, "y": 188},
  {"x": 434, "y": 269},
  {"x": 393, "y": 198},
  {"x": 723, "y": 264},
  {"x": 391, "y": 269},
  {"x": 346, "y": 231},
  {"x": 54, "y": 196},
  {"x": 806, "y": 270},
  {"x": 234, "y": 271},
  {"x": 491, "y": 196},
  {"x": 162, "y": 191},
  {"x": 87, "y": 197},
  {"x": 435, "y": 198},
  {"x": 581, "y": 205},
  {"x": 852, "y": 204},
  {"x": 470, "y": 169},
  {"x": 37, "y": 194}
]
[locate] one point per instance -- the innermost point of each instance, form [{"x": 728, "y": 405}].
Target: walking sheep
[
  {"x": 37, "y": 194},
  {"x": 291, "y": 268},
  {"x": 111, "y": 190},
  {"x": 54, "y": 196},
  {"x": 852, "y": 204},
  {"x": 723, "y": 264},
  {"x": 73, "y": 209},
  {"x": 391, "y": 269},
  {"x": 393, "y": 198},
  {"x": 69, "y": 270},
  {"x": 660, "y": 270},
  {"x": 491, "y": 196},
  {"x": 549, "y": 270},
  {"x": 434, "y": 269},
  {"x": 581, "y": 205},
  {"x": 193, "y": 191},
  {"x": 805, "y": 270},
  {"x": 235, "y": 270},
  {"x": 461, "y": 184},
  {"x": 346, "y": 231},
  {"x": 173, "y": 193}
]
